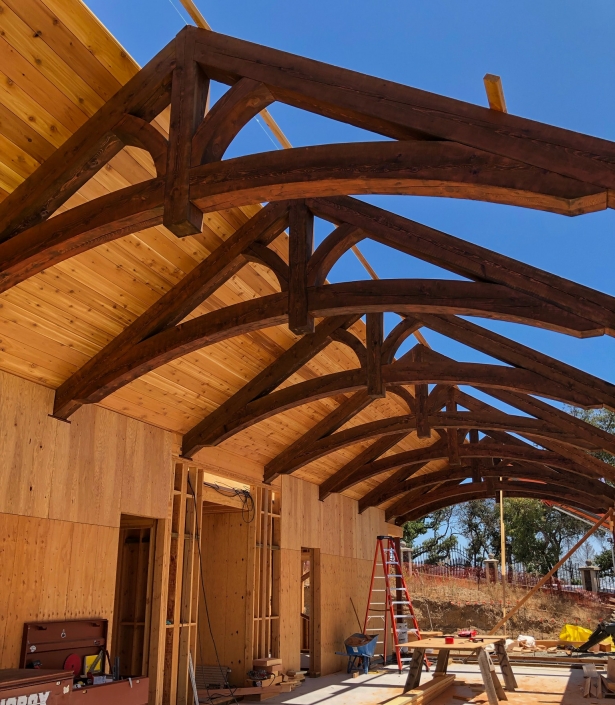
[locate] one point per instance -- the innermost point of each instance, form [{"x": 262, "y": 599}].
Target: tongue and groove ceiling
[{"x": 122, "y": 319}]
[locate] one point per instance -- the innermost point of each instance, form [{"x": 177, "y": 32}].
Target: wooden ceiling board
[{"x": 58, "y": 66}]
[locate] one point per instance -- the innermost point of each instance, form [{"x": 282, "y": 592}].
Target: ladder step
[{"x": 385, "y": 560}]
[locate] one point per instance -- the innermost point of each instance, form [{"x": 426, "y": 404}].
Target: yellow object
[
  {"x": 89, "y": 662},
  {"x": 572, "y": 632}
]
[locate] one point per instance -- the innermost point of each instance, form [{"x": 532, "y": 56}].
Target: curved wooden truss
[{"x": 436, "y": 146}]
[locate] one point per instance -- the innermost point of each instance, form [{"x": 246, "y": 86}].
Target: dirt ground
[{"x": 448, "y": 607}]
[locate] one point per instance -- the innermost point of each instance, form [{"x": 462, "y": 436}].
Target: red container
[
  {"x": 449, "y": 639},
  {"x": 29, "y": 685}
]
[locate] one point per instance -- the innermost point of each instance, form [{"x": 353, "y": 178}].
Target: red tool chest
[
  {"x": 40, "y": 687},
  {"x": 45, "y": 648}
]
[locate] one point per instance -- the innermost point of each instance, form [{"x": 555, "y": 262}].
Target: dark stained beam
[
  {"x": 534, "y": 463},
  {"x": 441, "y": 169},
  {"x": 330, "y": 250},
  {"x": 175, "y": 305},
  {"x": 346, "y": 299},
  {"x": 378, "y": 448},
  {"x": 573, "y": 447},
  {"x": 476, "y": 475},
  {"x": 483, "y": 490},
  {"x": 375, "y": 496},
  {"x": 507, "y": 471},
  {"x": 401, "y": 112},
  {"x": 223, "y": 122},
  {"x": 79, "y": 229},
  {"x": 404, "y": 395},
  {"x": 213, "y": 428},
  {"x": 512, "y": 353},
  {"x": 189, "y": 91},
  {"x": 568, "y": 423},
  {"x": 88, "y": 150},
  {"x": 399, "y": 373},
  {"x": 466, "y": 259},
  {"x": 452, "y": 434},
  {"x": 474, "y": 454},
  {"x": 374, "y": 336},
  {"x": 415, "y": 458},
  {"x": 421, "y": 392},
  {"x": 300, "y": 247},
  {"x": 497, "y": 421},
  {"x": 403, "y": 330},
  {"x": 325, "y": 427}
]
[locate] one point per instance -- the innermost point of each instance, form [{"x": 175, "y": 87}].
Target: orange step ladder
[{"x": 389, "y": 600}]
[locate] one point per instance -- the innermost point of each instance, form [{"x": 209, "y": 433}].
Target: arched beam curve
[
  {"x": 397, "y": 424},
  {"x": 464, "y": 298},
  {"x": 536, "y": 465},
  {"x": 432, "y": 372},
  {"x": 437, "y": 451},
  {"x": 485, "y": 490},
  {"x": 420, "y": 168}
]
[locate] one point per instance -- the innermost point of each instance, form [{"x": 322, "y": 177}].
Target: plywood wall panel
[
  {"x": 90, "y": 471},
  {"x": 147, "y": 476},
  {"x": 225, "y": 547},
  {"x": 8, "y": 548},
  {"x": 28, "y": 446},
  {"x": 341, "y": 579},
  {"x": 52, "y": 570},
  {"x": 290, "y": 608},
  {"x": 88, "y": 488}
]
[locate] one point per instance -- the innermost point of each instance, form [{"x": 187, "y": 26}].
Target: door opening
[
  {"x": 133, "y": 595},
  {"x": 310, "y": 611}
]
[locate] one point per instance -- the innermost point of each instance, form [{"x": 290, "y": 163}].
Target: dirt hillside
[{"x": 449, "y": 607}]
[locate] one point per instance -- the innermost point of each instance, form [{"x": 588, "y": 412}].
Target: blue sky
[{"x": 556, "y": 61}]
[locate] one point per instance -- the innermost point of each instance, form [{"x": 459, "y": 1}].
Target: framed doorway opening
[{"x": 310, "y": 611}]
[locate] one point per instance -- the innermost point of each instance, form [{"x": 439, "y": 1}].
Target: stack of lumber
[
  {"x": 424, "y": 693},
  {"x": 596, "y": 685}
]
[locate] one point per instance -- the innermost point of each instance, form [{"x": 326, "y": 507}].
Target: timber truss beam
[
  {"x": 438, "y": 147},
  {"x": 486, "y": 489}
]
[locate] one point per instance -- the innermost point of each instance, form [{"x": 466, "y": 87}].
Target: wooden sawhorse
[{"x": 493, "y": 687}]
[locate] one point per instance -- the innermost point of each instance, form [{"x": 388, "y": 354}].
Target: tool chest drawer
[
  {"x": 128, "y": 692},
  {"x": 36, "y": 687}
]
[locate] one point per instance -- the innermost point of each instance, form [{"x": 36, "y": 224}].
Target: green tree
[
  {"x": 604, "y": 560},
  {"x": 478, "y": 522},
  {"x": 537, "y": 533},
  {"x": 602, "y": 418},
  {"x": 439, "y": 545}
]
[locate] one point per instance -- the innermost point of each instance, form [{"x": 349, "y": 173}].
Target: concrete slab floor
[{"x": 537, "y": 686}]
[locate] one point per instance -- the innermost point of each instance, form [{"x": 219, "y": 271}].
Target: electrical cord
[
  {"x": 248, "y": 511},
  {"x": 202, "y": 581}
]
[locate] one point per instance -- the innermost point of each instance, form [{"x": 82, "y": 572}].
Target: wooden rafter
[
  {"x": 325, "y": 427},
  {"x": 341, "y": 300},
  {"x": 439, "y": 147},
  {"x": 497, "y": 421},
  {"x": 529, "y": 456},
  {"x": 217, "y": 425},
  {"x": 513, "y": 353},
  {"x": 486, "y": 489},
  {"x": 175, "y": 305},
  {"x": 421, "y": 374}
]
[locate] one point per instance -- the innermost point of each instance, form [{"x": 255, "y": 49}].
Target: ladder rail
[{"x": 386, "y": 557}]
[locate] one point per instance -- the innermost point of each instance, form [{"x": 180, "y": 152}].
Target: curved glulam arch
[
  {"x": 443, "y": 148},
  {"x": 396, "y": 374},
  {"x": 407, "y": 424},
  {"x": 536, "y": 465},
  {"x": 486, "y": 490}
]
